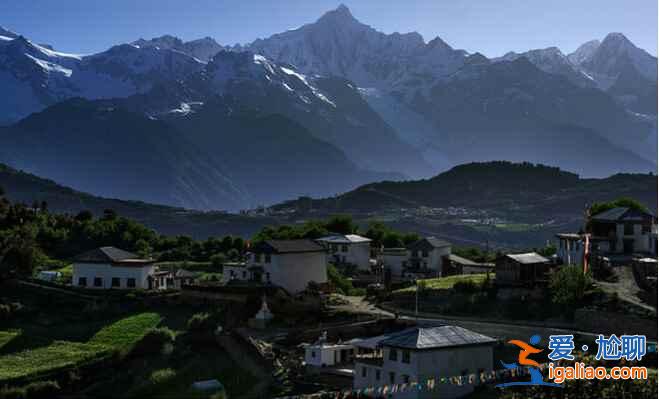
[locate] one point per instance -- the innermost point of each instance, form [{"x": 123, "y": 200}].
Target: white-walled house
[
  {"x": 235, "y": 271},
  {"x": 428, "y": 255},
  {"x": 351, "y": 249},
  {"x": 395, "y": 260},
  {"x": 289, "y": 264},
  {"x": 418, "y": 354},
  {"x": 324, "y": 354},
  {"x": 623, "y": 231},
  {"x": 110, "y": 267}
]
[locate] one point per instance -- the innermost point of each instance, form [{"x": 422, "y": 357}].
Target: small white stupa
[{"x": 262, "y": 317}]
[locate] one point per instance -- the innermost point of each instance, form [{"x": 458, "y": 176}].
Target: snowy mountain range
[{"x": 320, "y": 109}]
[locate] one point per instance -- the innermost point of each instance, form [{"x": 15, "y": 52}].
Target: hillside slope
[
  {"x": 520, "y": 190},
  {"x": 27, "y": 188}
]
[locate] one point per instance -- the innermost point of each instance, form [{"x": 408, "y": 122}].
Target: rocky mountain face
[
  {"x": 39, "y": 77},
  {"x": 612, "y": 57},
  {"x": 103, "y": 149},
  {"x": 337, "y": 44},
  {"x": 449, "y": 105},
  {"x": 203, "y": 49},
  {"x": 553, "y": 61},
  {"x": 315, "y": 111},
  {"x": 623, "y": 70}
]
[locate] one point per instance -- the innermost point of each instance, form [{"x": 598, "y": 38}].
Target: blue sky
[{"x": 492, "y": 27}]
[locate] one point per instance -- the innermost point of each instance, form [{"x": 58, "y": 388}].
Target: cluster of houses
[
  {"x": 416, "y": 354},
  {"x": 619, "y": 234}
]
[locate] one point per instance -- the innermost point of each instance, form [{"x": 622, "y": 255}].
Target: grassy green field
[
  {"x": 59, "y": 354},
  {"x": 7, "y": 336},
  {"x": 445, "y": 283}
]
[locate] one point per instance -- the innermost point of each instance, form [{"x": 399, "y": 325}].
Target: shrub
[
  {"x": 568, "y": 286},
  {"x": 154, "y": 341},
  {"x": 200, "y": 322},
  {"x": 161, "y": 376}
]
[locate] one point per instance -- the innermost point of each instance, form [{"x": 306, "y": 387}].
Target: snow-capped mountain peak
[
  {"x": 202, "y": 49},
  {"x": 337, "y": 44},
  {"x": 551, "y": 60},
  {"x": 613, "y": 56},
  {"x": 6, "y": 34},
  {"x": 584, "y": 52},
  {"x": 164, "y": 42},
  {"x": 340, "y": 15},
  {"x": 244, "y": 67}
]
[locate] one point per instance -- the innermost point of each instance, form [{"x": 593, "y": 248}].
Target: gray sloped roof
[
  {"x": 621, "y": 214},
  {"x": 528, "y": 258},
  {"x": 429, "y": 243},
  {"x": 435, "y": 338},
  {"x": 463, "y": 261},
  {"x": 288, "y": 246},
  {"x": 344, "y": 239},
  {"x": 182, "y": 273},
  {"x": 109, "y": 255}
]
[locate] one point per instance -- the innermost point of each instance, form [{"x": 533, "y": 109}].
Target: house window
[
  {"x": 267, "y": 276},
  {"x": 377, "y": 375},
  {"x": 344, "y": 248},
  {"x": 406, "y": 379},
  {"x": 244, "y": 274},
  {"x": 268, "y": 258},
  {"x": 363, "y": 371},
  {"x": 424, "y": 253},
  {"x": 130, "y": 283},
  {"x": 393, "y": 355},
  {"x": 116, "y": 282},
  {"x": 257, "y": 258},
  {"x": 232, "y": 274},
  {"x": 629, "y": 229},
  {"x": 646, "y": 229},
  {"x": 406, "y": 356},
  {"x": 335, "y": 248},
  {"x": 98, "y": 282},
  {"x": 392, "y": 377},
  {"x": 313, "y": 353},
  {"x": 82, "y": 281}
]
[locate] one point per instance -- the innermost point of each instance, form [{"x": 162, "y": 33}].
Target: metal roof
[
  {"x": 287, "y": 246},
  {"x": 344, "y": 239},
  {"x": 528, "y": 258},
  {"x": 620, "y": 214},
  {"x": 435, "y": 338},
  {"x": 109, "y": 255},
  {"x": 463, "y": 261},
  {"x": 429, "y": 243}
]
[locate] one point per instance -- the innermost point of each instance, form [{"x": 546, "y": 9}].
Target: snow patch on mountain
[
  {"x": 337, "y": 44},
  {"x": 203, "y": 49}
]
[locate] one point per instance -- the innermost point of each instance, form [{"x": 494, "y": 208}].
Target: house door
[{"x": 628, "y": 246}]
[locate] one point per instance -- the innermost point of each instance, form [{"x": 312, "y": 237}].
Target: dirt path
[
  {"x": 625, "y": 287},
  {"x": 359, "y": 305}
]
